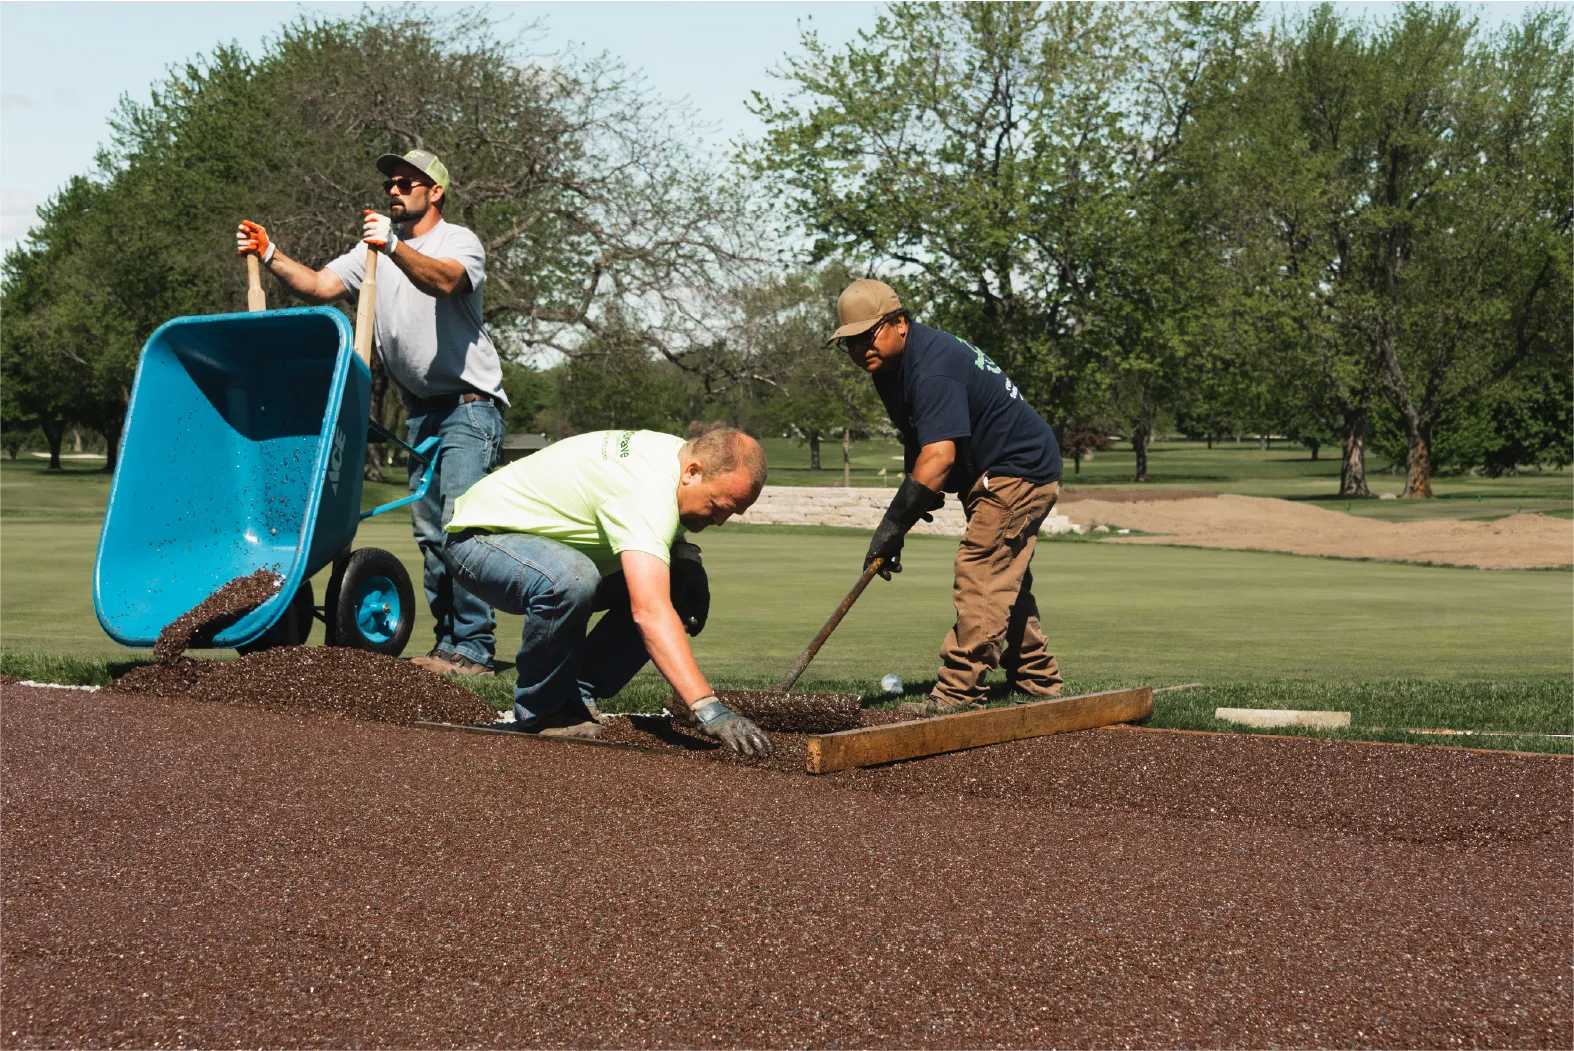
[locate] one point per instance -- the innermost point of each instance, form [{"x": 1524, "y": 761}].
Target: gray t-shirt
[{"x": 431, "y": 345}]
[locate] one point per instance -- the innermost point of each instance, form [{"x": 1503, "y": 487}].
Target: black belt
[{"x": 445, "y": 402}]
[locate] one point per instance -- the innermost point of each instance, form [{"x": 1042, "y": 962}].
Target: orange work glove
[{"x": 251, "y": 238}]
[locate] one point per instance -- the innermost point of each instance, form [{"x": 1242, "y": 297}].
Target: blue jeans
[
  {"x": 472, "y": 434},
  {"x": 556, "y": 589}
]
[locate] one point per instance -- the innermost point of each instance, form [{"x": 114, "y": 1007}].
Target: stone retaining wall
[{"x": 857, "y": 509}]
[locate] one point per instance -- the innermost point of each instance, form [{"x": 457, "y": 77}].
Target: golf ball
[{"x": 891, "y": 684}]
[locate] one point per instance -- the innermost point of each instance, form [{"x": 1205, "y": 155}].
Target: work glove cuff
[{"x": 912, "y": 501}]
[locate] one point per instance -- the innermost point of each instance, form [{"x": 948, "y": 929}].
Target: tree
[
  {"x": 1471, "y": 251},
  {"x": 776, "y": 337},
  {"x": 595, "y": 209},
  {"x": 998, "y": 155},
  {"x": 1396, "y": 205}
]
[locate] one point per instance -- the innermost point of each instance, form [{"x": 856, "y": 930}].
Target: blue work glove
[
  {"x": 736, "y": 733},
  {"x": 912, "y": 502}
]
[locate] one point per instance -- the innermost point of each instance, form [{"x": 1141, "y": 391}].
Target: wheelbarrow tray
[{"x": 242, "y": 451}]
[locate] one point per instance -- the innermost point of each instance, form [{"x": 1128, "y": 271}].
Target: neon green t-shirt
[{"x": 601, "y": 493}]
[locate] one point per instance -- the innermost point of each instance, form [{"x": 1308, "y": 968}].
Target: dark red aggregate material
[
  {"x": 289, "y": 879},
  {"x": 213, "y": 614},
  {"x": 658, "y": 732},
  {"x": 806, "y": 713},
  {"x": 346, "y": 681}
]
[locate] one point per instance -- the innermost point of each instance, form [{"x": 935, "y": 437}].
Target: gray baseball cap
[{"x": 424, "y": 161}]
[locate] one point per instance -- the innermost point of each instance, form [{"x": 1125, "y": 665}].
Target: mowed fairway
[{"x": 1115, "y": 613}]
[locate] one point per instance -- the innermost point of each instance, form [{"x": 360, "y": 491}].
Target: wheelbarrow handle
[
  {"x": 256, "y": 298},
  {"x": 366, "y": 309},
  {"x": 426, "y": 452}
]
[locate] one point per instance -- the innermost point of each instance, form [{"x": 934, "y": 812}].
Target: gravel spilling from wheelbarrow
[
  {"x": 350, "y": 682},
  {"x": 198, "y": 625},
  {"x": 288, "y": 879}
]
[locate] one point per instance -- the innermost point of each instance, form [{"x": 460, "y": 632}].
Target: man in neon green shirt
[{"x": 592, "y": 523}]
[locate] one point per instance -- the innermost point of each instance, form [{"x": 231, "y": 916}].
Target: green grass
[{"x": 1400, "y": 645}]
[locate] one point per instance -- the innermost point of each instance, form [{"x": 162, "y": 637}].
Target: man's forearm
[
  {"x": 668, "y": 646},
  {"x": 934, "y": 464},
  {"x": 301, "y": 279},
  {"x": 435, "y": 277}
]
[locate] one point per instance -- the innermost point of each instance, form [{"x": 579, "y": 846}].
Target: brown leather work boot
[
  {"x": 572, "y": 720},
  {"x": 446, "y": 662}
]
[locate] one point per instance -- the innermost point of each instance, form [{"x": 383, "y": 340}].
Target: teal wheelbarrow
[{"x": 243, "y": 449}]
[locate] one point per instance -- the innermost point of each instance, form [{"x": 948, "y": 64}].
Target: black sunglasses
[
  {"x": 860, "y": 340},
  {"x": 403, "y": 184}
]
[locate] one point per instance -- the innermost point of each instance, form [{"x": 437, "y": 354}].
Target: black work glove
[
  {"x": 690, "y": 587},
  {"x": 912, "y": 502},
  {"x": 738, "y": 734}
]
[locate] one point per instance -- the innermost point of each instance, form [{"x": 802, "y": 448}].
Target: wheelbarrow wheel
[
  {"x": 291, "y": 629},
  {"x": 371, "y": 603}
]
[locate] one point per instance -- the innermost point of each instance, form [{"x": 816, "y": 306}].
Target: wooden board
[{"x": 873, "y": 745}]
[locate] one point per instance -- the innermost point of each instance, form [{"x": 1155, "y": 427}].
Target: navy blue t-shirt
[{"x": 946, "y": 389}]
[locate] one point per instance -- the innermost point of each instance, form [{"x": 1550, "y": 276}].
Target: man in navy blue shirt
[{"x": 966, "y": 430}]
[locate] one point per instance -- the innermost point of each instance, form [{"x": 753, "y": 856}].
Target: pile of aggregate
[
  {"x": 794, "y": 713},
  {"x": 170, "y": 879},
  {"x": 349, "y": 682},
  {"x": 198, "y": 625}
]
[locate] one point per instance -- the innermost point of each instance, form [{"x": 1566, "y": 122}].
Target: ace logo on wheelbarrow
[{"x": 336, "y": 460}]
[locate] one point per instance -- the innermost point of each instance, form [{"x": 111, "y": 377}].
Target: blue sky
[{"x": 64, "y": 66}]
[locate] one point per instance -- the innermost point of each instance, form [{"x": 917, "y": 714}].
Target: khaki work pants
[{"x": 996, "y": 615}]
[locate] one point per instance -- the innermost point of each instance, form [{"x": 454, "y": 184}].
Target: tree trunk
[
  {"x": 1076, "y": 463},
  {"x": 1140, "y": 436},
  {"x": 13, "y": 447},
  {"x": 372, "y": 467},
  {"x": 54, "y": 433},
  {"x": 1418, "y": 472},
  {"x": 847, "y": 457},
  {"x": 112, "y": 429},
  {"x": 1352, "y": 465},
  {"x": 1314, "y": 445},
  {"x": 1210, "y": 441},
  {"x": 76, "y": 438},
  {"x": 1262, "y": 443},
  {"x": 814, "y": 450}
]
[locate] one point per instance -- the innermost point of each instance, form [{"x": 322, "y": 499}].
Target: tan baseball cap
[
  {"x": 861, "y": 305},
  {"x": 423, "y": 161}
]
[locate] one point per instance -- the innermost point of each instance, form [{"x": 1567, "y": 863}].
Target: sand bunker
[{"x": 1517, "y": 542}]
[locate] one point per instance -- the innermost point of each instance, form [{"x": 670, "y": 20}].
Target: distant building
[{"x": 519, "y": 446}]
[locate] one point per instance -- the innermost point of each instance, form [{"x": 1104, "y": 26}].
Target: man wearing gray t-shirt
[{"x": 435, "y": 348}]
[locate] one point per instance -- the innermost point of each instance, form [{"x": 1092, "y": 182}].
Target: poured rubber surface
[{"x": 175, "y": 873}]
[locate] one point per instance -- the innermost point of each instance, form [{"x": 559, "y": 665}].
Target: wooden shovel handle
[
  {"x": 256, "y": 298},
  {"x": 366, "y": 309},
  {"x": 786, "y": 682}
]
